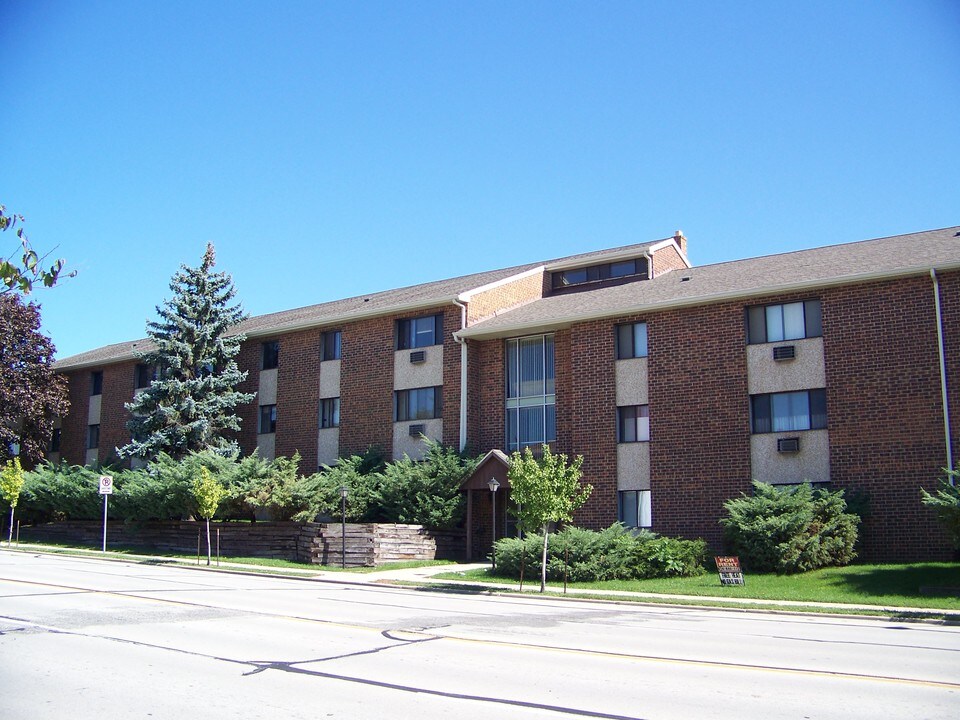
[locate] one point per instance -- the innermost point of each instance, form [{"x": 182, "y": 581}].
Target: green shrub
[
  {"x": 423, "y": 492},
  {"x": 790, "y": 529},
  {"x": 670, "y": 557},
  {"x": 611, "y": 554},
  {"x": 60, "y": 492},
  {"x": 318, "y": 495},
  {"x": 163, "y": 490},
  {"x": 946, "y": 503},
  {"x": 271, "y": 486}
]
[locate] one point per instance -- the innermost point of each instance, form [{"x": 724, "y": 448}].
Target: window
[
  {"x": 418, "y": 404},
  {"x": 631, "y": 341},
  {"x": 271, "y": 355},
  {"x": 419, "y": 332},
  {"x": 789, "y": 411},
  {"x": 330, "y": 345},
  {"x": 776, "y": 323},
  {"x": 330, "y": 412},
  {"x": 633, "y": 423},
  {"x": 597, "y": 273},
  {"x": 143, "y": 375},
  {"x": 634, "y": 508},
  {"x": 268, "y": 419},
  {"x": 531, "y": 392},
  {"x": 55, "y": 440},
  {"x": 96, "y": 382},
  {"x": 93, "y": 437}
]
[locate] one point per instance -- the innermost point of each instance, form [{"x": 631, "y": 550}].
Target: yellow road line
[{"x": 420, "y": 635}]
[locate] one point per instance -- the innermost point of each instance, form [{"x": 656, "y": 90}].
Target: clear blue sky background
[{"x": 331, "y": 149}]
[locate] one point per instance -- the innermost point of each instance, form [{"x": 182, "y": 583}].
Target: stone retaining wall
[
  {"x": 369, "y": 545},
  {"x": 366, "y": 544}
]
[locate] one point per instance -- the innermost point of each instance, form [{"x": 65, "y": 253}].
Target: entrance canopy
[{"x": 494, "y": 465}]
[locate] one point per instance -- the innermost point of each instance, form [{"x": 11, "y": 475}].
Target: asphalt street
[{"x": 85, "y": 638}]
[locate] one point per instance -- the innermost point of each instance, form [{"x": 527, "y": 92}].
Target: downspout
[
  {"x": 943, "y": 371},
  {"x": 463, "y": 373}
]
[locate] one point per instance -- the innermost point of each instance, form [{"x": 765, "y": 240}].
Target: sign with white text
[{"x": 729, "y": 570}]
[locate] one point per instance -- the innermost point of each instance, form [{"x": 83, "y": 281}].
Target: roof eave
[
  {"x": 284, "y": 328},
  {"x": 476, "y": 332}
]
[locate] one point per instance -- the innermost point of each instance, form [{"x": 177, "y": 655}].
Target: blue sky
[{"x": 331, "y": 149}]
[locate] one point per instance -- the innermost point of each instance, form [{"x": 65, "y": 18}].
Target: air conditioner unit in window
[
  {"x": 417, "y": 430},
  {"x": 788, "y": 445},
  {"x": 418, "y": 356},
  {"x": 784, "y": 352}
]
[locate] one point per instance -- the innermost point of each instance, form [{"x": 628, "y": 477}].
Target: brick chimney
[{"x": 681, "y": 241}]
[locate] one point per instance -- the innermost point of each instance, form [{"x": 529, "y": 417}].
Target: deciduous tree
[
  {"x": 11, "y": 483},
  {"x": 32, "y": 395},
  {"x": 208, "y": 492},
  {"x": 545, "y": 490},
  {"x": 22, "y": 266}
]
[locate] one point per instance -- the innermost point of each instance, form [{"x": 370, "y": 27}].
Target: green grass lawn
[{"x": 890, "y": 585}]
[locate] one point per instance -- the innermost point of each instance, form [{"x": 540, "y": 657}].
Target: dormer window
[{"x": 632, "y": 268}]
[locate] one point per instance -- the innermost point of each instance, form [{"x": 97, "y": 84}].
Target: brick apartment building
[{"x": 838, "y": 365}]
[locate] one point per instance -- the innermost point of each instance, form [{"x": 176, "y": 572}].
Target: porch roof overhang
[{"x": 495, "y": 464}]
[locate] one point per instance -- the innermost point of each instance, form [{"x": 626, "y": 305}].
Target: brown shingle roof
[
  {"x": 406, "y": 299},
  {"x": 835, "y": 264}
]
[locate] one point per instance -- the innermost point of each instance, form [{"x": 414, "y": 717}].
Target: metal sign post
[{"x": 106, "y": 489}]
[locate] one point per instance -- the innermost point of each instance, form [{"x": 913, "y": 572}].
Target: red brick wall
[
  {"x": 249, "y": 360},
  {"x": 117, "y": 390},
  {"x": 118, "y": 382},
  {"x": 451, "y": 377},
  {"x": 490, "y": 407},
  {"x": 298, "y": 393},
  {"x": 587, "y": 412},
  {"x": 884, "y": 408},
  {"x": 667, "y": 259},
  {"x": 485, "y": 304},
  {"x": 73, "y": 433},
  {"x": 950, "y": 308},
  {"x": 473, "y": 396},
  {"x": 366, "y": 386},
  {"x": 699, "y": 418}
]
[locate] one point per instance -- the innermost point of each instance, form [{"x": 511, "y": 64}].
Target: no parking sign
[{"x": 106, "y": 489}]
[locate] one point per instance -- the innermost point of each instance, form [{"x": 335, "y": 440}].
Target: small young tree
[
  {"x": 545, "y": 490},
  {"x": 946, "y": 503},
  {"x": 190, "y": 406},
  {"x": 208, "y": 492},
  {"x": 11, "y": 483}
]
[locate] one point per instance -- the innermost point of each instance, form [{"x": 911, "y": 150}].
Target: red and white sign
[{"x": 106, "y": 485}]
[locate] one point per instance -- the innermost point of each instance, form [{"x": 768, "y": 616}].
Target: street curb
[{"x": 884, "y": 613}]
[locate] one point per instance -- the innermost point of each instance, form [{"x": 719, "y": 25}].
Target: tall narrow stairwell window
[{"x": 531, "y": 392}]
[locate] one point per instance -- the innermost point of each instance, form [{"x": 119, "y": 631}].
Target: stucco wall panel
[
  {"x": 633, "y": 466},
  {"x": 804, "y": 372},
  {"x": 811, "y": 464},
  {"x": 631, "y": 379}
]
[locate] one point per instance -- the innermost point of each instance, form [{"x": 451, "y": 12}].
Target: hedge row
[
  {"x": 424, "y": 493},
  {"x": 611, "y": 554}
]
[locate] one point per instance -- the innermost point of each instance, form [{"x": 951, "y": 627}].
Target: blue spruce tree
[{"x": 190, "y": 405}]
